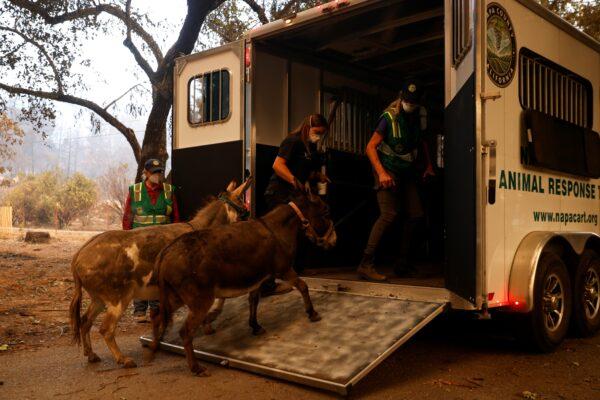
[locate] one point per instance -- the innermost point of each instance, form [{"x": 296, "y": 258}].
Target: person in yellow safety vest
[
  {"x": 393, "y": 150},
  {"x": 150, "y": 202}
]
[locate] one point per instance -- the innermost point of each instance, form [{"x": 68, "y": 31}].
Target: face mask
[
  {"x": 155, "y": 178},
  {"x": 408, "y": 107},
  {"x": 313, "y": 137}
]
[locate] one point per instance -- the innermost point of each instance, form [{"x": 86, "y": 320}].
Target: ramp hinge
[{"x": 490, "y": 95}]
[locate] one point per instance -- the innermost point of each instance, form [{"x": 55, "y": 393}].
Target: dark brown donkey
[
  {"x": 230, "y": 261},
  {"x": 117, "y": 266}
]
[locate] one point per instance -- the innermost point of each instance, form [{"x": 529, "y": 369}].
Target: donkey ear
[
  {"x": 243, "y": 187},
  {"x": 232, "y": 185}
]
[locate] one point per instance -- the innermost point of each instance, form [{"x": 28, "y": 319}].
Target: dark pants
[
  {"x": 403, "y": 198},
  {"x": 140, "y": 306}
]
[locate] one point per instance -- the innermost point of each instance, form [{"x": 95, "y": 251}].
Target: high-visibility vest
[
  {"x": 402, "y": 138},
  {"x": 144, "y": 212}
]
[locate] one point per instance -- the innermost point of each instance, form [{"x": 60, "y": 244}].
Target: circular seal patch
[{"x": 501, "y": 46}]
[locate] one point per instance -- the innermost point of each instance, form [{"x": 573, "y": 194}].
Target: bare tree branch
[
  {"x": 106, "y": 107},
  {"x": 13, "y": 51},
  {"x": 260, "y": 11},
  {"x": 197, "y": 12},
  {"x": 27, "y": 39},
  {"x": 37, "y": 9},
  {"x": 102, "y": 113},
  {"x": 217, "y": 29},
  {"x": 128, "y": 42}
]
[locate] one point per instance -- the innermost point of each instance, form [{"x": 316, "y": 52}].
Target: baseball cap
[
  {"x": 411, "y": 91},
  {"x": 153, "y": 165}
]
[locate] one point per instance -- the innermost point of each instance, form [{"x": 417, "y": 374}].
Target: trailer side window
[
  {"x": 208, "y": 97},
  {"x": 461, "y": 30},
  {"x": 553, "y": 90}
]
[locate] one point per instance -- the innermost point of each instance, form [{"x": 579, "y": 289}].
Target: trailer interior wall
[
  {"x": 285, "y": 92},
  {"x": 511, "y": 217}
]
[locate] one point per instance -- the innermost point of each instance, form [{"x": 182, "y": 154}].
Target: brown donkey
[
  {"x": 115, "y": 267},
  {"x": 230, "y": 261}
]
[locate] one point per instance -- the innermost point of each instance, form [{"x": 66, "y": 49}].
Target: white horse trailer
[{"x": 513, "y": 106}]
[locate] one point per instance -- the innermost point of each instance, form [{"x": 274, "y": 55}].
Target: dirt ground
[{"x": 454, "y": 358}]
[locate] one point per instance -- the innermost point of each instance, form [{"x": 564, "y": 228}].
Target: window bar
[
  {"x": 569, "y": 100},
  {"x": 220, "y": 94},
  {"x": 538, "y": 86},
  {"x": 555, "y": 93},
  {"x": 526, "y": 83},
  {"x": 574, "y": 101},
  {"x": 585, "y": 109},
  {"x": 546, "y": 100},
  {"x": 522, "y": 78},
  {"x": 561, "y": 96},
  {"x": 579, "y": 105}
]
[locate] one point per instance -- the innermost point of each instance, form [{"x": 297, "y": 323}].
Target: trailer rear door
[
  {"x": 460, "y": 151},
  {"x": 208, "y": 115},
  {"x": 356, "y": 333}
]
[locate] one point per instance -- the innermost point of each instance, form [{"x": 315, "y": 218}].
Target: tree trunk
[{"x": 155, "y": 136}]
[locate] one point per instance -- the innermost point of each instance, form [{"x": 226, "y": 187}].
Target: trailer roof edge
[
  {"x": 561, "y": 23},
  {"x": 311, "y": 14},
  {"x": 308, "y": 16}
]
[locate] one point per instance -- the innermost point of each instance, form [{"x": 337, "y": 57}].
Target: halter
[
  {"x": 241, "y": 210},
  {"x": 309, "y": 231}
]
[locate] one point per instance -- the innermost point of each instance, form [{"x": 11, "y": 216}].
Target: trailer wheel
[
  {"x": 547, "y": 325},
  {"x": 586, "y": 299}
]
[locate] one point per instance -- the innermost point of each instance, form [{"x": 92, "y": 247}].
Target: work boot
[{"x": 366, "y": 269}]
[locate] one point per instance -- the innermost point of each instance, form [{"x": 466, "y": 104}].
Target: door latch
[{"x": 490, "y": 95}]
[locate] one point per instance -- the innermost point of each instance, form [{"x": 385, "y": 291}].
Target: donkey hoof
[
  {"x": 93, "y": 358},
  {"x": 259, "y": 330},
  {"x": 199, "y": 370},
  {"x": 153, "y": 346},
  {"x": 314, "y": 317},
  {"x": 128, "y": 363}
]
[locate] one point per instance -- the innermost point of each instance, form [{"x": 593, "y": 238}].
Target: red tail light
[{"x": 248, "y": 56}]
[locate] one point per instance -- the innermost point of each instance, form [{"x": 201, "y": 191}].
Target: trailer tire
[
  {"x": 545, "y": 327},
  {"x": 586, "y": 300}
]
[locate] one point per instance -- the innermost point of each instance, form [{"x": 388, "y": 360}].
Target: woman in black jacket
[{"x": 297, "y": 162}]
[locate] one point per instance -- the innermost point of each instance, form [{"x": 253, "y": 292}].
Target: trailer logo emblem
[{"x": 501, "y": 46}]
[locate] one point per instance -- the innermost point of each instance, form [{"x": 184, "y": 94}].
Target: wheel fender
[{"x": 525, "y": 262}]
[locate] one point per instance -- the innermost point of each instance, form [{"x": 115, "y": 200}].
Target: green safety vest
[
  {"x": 399, "y": 147},
  {"x": 144, "y": 212}
]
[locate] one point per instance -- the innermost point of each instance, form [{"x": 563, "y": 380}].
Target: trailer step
[{"x": 356, "y": 333}]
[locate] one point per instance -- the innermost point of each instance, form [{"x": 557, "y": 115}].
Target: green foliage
[
  {"x": 11, "y": 135},
  {"x": 43, "y": 198},
  {"x": 75, "y": 198},
  {"x": 233, "y": 18},
  {"x": 584, "y": 14}
]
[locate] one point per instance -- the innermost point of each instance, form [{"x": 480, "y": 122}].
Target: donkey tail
[{"x": 75, "y": 308}]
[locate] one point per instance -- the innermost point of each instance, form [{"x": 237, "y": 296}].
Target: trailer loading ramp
[{"x": 356, "y": 333}]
